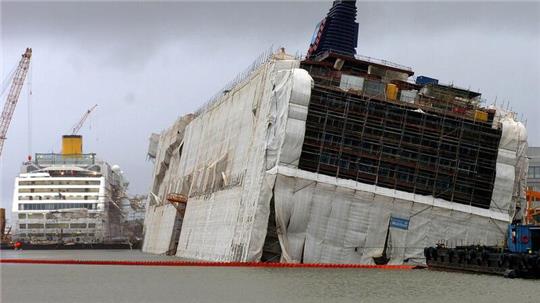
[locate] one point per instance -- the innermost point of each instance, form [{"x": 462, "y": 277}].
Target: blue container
[
  {"x": 423, "y": 80},
  {"x": 523, "y": 238}
]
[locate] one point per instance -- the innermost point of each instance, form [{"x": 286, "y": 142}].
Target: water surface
[{"x": 85, "y": 283}]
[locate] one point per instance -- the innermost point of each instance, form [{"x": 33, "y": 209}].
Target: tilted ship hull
[{"x": 334, "y": 158}]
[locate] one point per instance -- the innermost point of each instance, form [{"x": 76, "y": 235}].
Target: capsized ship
[
  {"x": 73, "y": 199},
  {"x": 334, "y": 158}
]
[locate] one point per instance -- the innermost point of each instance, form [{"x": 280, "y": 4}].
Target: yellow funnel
[{"x": 71, "y": 145}]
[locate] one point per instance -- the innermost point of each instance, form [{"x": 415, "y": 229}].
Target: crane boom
[
  {"x": 13, "y": 95},
  {"x": 79, "y": 124}
]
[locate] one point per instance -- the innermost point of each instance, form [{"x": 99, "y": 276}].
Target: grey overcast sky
[{"x": 146, "y": 63}]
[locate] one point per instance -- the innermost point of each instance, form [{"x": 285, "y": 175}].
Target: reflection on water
[{"x": 79, "y": 283}]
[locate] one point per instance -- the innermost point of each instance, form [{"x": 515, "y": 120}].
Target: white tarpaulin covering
[
  {"x": 159, "y": 226},
  {"x": 161, "y": 217},
  {"x": 330, "y": 220},
  {"x": 512, "y": 164},
  {"x": 244, "y": 149},
  {"x": 321, "y": 220},
  {"x": 227, "y": 150}
]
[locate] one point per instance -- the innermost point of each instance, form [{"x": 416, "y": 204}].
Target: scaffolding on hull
[{"x": 397, "y": 145}]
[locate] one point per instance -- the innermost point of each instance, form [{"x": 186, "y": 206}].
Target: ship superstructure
[
  {"x": 70, "y": 197},
  {"x": 334, "y": 158}
]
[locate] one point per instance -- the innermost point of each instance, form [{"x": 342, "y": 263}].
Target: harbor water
[{"x": 107, "y": 283}]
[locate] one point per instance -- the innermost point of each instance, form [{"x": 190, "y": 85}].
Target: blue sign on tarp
[{"x": 399, "y": 223}]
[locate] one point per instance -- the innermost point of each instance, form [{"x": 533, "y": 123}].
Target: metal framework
[
  {"x": 79, "y": 124},
  {"x": 410, "y": 147},
  {"x": 13, "y": 95}
]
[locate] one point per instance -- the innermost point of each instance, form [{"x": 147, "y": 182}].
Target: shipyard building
[{"x": 334, "y": 158}]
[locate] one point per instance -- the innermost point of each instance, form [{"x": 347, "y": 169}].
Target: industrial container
[
  {"x": 374, "y": 88},
  {"x": 423, "y": 80},
  {"x": 408, "y": 96},
  {"x": 351, "y": 82},
  {"x": 480, "y": 116},
  {"x": 391, "y": 91},
  {"x": 459, "y": 110},
  {"x": 523, "y": 238}
]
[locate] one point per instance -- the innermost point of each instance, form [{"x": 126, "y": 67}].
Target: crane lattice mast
[
  {"x": 79, "y": 124},
  {"x": 13, "y": 95}
]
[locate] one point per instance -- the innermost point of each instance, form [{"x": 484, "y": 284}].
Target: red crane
[{"x": 13, "y": 95}]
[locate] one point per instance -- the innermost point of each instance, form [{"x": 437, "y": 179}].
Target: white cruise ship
[{"x": 70, "y": 198}]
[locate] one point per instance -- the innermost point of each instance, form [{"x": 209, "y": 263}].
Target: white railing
[
  {"x": 382, "y": 62},
  {"x": 241, "y": 77}
]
